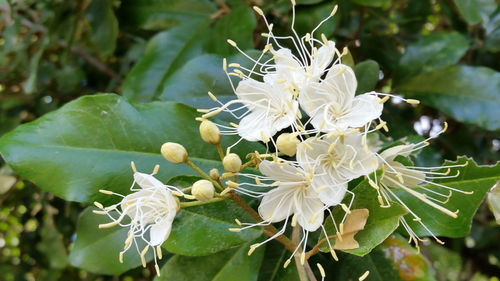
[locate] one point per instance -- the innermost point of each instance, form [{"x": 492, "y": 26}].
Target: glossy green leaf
[
  {"x": 97, "y": 250},
  {"x": 52, "y": 246},
  {"x": 468, "y": 94},
  {"x": 494, "y": 202},
  {"x": 447, "y": 263},
  {"x": 272, "y": 266},
  {"x": 372, "y": 3},
  {"x": 393, "y": 260},
  {"x": 472, "y": 177},
  {"x": 229, "y": 265},
  {"x": 237, "y": 25},
  {"x": 157, "y": 15},
  {"x": 367, "y": 73},
  {"x": 165, "y": 53},
  {"x": 380, "y": 224},
  {"x": 104, "y": 25},
  {"x": 88, "y": 144},
  {"x": 435, "y": 51},
  {"x": 203, "y": 230},
  {"x": 469, "y": 10}
]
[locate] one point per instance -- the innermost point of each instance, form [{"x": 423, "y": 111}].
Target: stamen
[
  {"x": 238, "y": 222},
  {"x": 143, "y": 253},
  {"x": 159, "y": 252},
  {"x": 132, "y": 164},
  {"x": 235, "y": 230},
  {"x": 363, "y": 277},
  {"x": 334, "y": 10},
  {"x": 258, "y": 10},
  {"x": 303, "y": 258},
  {"x": 231, "y": 42},
  {"x": 287, "y": 262},
  {"x": 108, "y": 225},
  {"x": 120, "y": 257},
  {"x": 212, "y": 96},
  {"x": 106, "y": 191},
  {"x": 334, "y": 255},
  {"x": 413, "y": 101},
  {"x": 320, "y": 268},
  {"x": 157, "y": 268},
  {"x": 97, "y": 212},
  {"x": 98, "y": 205}
]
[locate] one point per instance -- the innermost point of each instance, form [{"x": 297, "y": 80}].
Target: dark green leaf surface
[
  {"x": 367, "y": 73},
  {"x": 97, "y": 250},
  {"x": 468, "y": 94},
  {"x": 380, "y": 224},
  {"x": 435, "y": 51},
  {"x": 88, "y": 144},
  {"x": 472, "y": 178},
  {"x": 238, "y": 26},
  {"x": 309, "y": 17},
  {"x": 393, "y": 260},
  {"x": 157, "y": 15},
  {"x": 203, "y": 230},
  {"x": 229, "y": 265},
  {"x": 165, "y": 53},
  {"x": 373, "y": 3},
  {"x": 469, "y": 9},
  {"x": 104, "y": 25}
]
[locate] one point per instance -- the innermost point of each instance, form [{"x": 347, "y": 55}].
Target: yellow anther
[
  {"x": 345, "y": 51},
  {"x": 155, "y": 170},
  {"x": 400, "y": 177},
  {"x": 232, "y": 184},
  {"x": 345, "y": 208},
  {"x": 132, "y": 164},
  {"x": 252, "y": 249},
  {"x": 97, "y": 212},
  {"x": 373, "y": 184},
  {"x": 212, "y": 96},
  {"x": 321, "y": 270},
  {"x": 157, "y": 268},
  {"x": 98, "y": 205},
  {"x": 339, "y": 236},
  {"x": 303, "y": 258},
  {"x": 108, "y": 225},
  {"x": 267, "y": 48},
  {"x": 445, "y": 127},
  {"x": 258, "y": 10},
  {"x": 334, "y": 255},
  {"x": 293, "y": 2},
  {"x": 202, "y": 111},
  {"x": 323, "y": 38},
  {"x": 159, "y": 252},
  {"x": 225, "y": 191},
  {"x": 213, "y": 113},
  {"x": 294, "y": 220},
  {"x": 363, "y": 277},
  {"x": 265, "y": 35},
  {"x": 104, "y": 191},
  {"x": 235, "y": 229},
  {"x": 143, "y": 254},
  {"x": 231, "y": 42},
  {"x": 234, "y": 65},
  {"x": 413, "y": 101},
  {"x": 120, "y": 257},
  {"x": 287, "y": 262},
  {"x": 384, "y": 99},
  {"x": 334, "y": 10},
  {"x": 257, "y": 181},
  {"x": 341, "y": 228},
  {"x": 238, "y": 222}
]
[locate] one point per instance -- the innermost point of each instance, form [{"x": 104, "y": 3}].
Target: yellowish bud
[
  {"x": 210, "y": 132},
  {"x": 214, "y": 174},
  {"x": 203, "y": 190},
  {"x": 287, "y": 143},
  {"x": 174, "y": 152},
  {"x": 232, "y": 163}
]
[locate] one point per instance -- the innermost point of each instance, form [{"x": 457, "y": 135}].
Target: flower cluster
[{"x": 319, "y": 136}]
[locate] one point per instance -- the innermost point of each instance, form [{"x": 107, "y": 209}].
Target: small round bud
[
  {"x": 203, "y": 190},
  {"x": 232, "y": 163},
  {"x": 214, "y": 174},
  {"x": 174, "y": 152},
  {"x": 287, "y": 143},
  {"x": 210, "y": 132}
]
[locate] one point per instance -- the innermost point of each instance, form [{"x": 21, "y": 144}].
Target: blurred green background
[{"x": 445, "y": 53}]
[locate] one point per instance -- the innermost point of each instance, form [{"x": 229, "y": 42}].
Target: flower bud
[
  {"x": 214, "y": 174},
  {"x": 203, "y": 190},
  {"x": 210, "y": 132},
  {"x": 232, "y": 163},
  {"x": 174, "y": 152},
  {"x": 287, "y": 143}
]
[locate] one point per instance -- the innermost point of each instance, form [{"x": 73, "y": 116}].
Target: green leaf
[
  {"x": 367, "y": 73},
  {"x": 309, "y": 17},
  {"x": 237, "y": 25},
  {"x": 435, "y": 51},
  {"x": 372, "y": 3},
  {"x": 380, "y": 224},
  {"x": 472, "y": 177},
  {"x": 52, "y": 246},
  {"x": 97, "y": 250},
  {"x": 158, "y": 15},
  {"x": 204, "y": 230},
  {"x": 494, "y": 202},
  {"x": 468, "y": 94},
  {"x": 104, "y": 25},
  {"x": 165, "y": 53},
  {"x": 272, "y": 266},
  {"x": 88, "y": 144},
  {"x": 229, "y": 265},
  {"x": 469, "y": 10},
  {"x": 393, "y": 260},
  {"x": 446, "y": 262}
]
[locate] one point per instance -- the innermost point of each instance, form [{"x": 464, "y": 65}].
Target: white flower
[
  {"x": 293, "y": 196},
  {"x": 150, "y": 210},
  {"x": 333, "y": 106},
  {"x": 270, "y": 109},
  {"x": 335, "y": 161}
]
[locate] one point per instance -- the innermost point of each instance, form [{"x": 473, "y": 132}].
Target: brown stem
[
  {"x": 281, "y": 238},
  {"x": 300, "y": 268},
  {"x": 315, "y": 249}
]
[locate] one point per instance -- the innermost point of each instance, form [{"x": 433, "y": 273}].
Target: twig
[{"x": 300, "y": 268}]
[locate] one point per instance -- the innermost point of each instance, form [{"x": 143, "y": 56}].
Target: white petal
[
  {"x": 277, "y": 204},
  {"x": 309, "y": 151},
  {"x": 254, "y": 125},
  {"x": 160, "y": 231},
  {"x": 280, "y": 172},
  {"x": 364, "y": 108},
  {"x": 253, "y": 91},
  {"x": 390, "y": 153},
  {"x": 147, "y": 181},
  {"x": 333, "y": 193},
  {"x": 284, "y": 58},
  {"x": 323, "y": 59},
  {"x": 341, "y": 80},
  {"x": 309, "y": 210}
]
